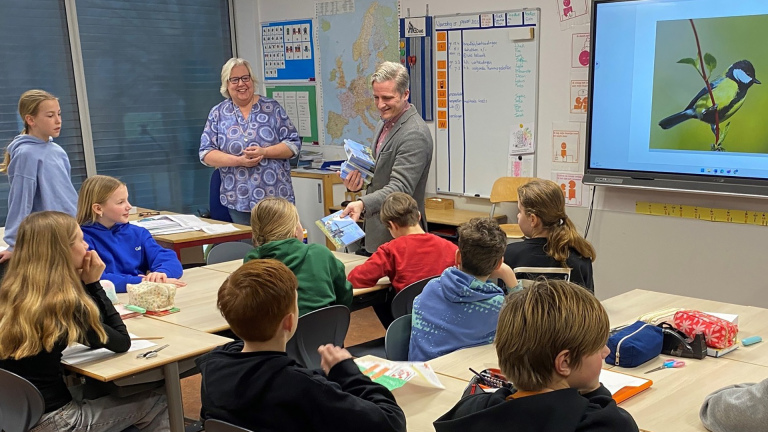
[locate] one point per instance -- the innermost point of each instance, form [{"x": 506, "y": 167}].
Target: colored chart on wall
[
  {"x": 300, "y": 103},
  {"x": 288, "y": 48}
]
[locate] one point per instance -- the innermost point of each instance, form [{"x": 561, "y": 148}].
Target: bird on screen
[{"x": 729, "y": 91}]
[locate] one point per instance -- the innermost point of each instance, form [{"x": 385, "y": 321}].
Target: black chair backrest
[
  {"x": 212, "y": 425},
  {"x": 228, "y": 251},
  {"x": 21, "y": 404},
  {"x": 398, "y": 338},
  {"x": 402, "y": 304},
  {"x": 217, "y": 210},
  {"x": 320, "y": 327}
]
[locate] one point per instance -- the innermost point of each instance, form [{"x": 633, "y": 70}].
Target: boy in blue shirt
[
  {"x": 252, "y": 383},
  {"x": 460, "y": 308}
]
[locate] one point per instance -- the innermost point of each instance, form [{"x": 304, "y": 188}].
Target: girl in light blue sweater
[{"x": 38, "y": 169}]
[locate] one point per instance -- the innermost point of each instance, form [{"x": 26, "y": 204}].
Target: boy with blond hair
[
  {"x": 461, "y": 307},
  {"x": 551, "y": 345},
  {"x": 412, "y": 256},
  {"x": 253, "y": 383}
]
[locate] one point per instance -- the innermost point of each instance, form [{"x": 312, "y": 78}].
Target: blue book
[
  {"x": 341, "y": 231},
  {"x": 359, "y": 154}
]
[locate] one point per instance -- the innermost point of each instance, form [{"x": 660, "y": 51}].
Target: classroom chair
[
  {"x": 398, "y": 338},
  {"x": 212, "y": 425},
  {"x": 216, "y": 209},
  {"x": 402, "y": 304},
  {"x": 527, "y": 275},
  {"x": 320, "y": 327},
  {"x": 21, "y": 403},
  {"x": 505, "y": 190},
  {"x": 228, "y": 251}
]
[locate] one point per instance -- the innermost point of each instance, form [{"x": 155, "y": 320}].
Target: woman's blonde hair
[
  {"x": 226, "y": 71},
  {"x": 95, "y": 190},
  {"x": 545, "y": 199},
  {"x": 273, "y": 219},
  {"x": 29, "y": 104},
  {"x": 42, "y": 300}
]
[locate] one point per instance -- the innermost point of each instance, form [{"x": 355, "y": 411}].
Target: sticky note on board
[
  {"x": 520, "y": 33},
  {"x": 737, "y": 216},
  {"x": 688, "y": 212},
  {"x": 755, "y": 218},
  {"x": 675, "y": 210},
  {"x": 719, "y": 215},
  {"x": 657, "y": 209},
  {"x": 643, "y": 207}
]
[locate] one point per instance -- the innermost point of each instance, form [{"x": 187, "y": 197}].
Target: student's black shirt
[
  {"x": 530, "y": 253},
  {"x": 269, "y": 391}
]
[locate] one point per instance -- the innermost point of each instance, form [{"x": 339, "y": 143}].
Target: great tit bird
[{"x": 729, "y": 91}]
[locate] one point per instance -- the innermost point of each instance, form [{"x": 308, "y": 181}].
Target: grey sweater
[{"x": 737, "y": 408}]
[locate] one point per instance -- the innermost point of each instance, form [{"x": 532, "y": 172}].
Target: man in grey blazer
[{"x": 402, "y": 146}]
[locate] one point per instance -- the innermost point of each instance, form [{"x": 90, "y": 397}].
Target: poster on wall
[{"x": 288, "y": 51}]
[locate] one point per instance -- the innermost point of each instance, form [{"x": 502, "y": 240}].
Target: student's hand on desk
[
  {"x": 154, "y": 277},
  {"x": 354, "y": 210},
  {"x": 354, "y": 181},
  {"x": 331, "y": 355},
  {"x": 5, "y": 255},
  {"x": 93, "y": 267},
  {"x": 179, "y": 283}
]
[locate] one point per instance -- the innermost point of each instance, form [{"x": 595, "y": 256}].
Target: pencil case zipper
[{"x": 618, "y": 345}]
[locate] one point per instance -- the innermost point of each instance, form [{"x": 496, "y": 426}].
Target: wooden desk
[
  {"x": 456, "y": 364},
  {"x": 125, "y": 369},
  {"x": 179, "y": 241},
  {"x": 423, "y": 405}
]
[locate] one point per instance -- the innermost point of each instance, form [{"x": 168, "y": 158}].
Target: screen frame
[{"x": 693, "y": 183}]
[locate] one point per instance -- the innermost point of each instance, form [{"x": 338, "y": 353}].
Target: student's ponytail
[
  {"x": 6, "y": 162},
  {"x": 563, "y": 236}
]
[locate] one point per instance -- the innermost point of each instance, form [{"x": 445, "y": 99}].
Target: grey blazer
[{"x": 402, "y": 165}]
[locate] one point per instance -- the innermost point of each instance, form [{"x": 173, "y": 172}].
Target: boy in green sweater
[{"x": 276, "y": 234}]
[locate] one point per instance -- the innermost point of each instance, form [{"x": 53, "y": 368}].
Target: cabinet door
[{"x": 309, "y": 202}]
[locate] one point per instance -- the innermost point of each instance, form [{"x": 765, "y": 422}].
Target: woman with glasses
[{"x": 250, "y": 139}]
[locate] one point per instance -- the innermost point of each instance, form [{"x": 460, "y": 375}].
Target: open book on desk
[
  {"x": 623, "y": 386},
  {"x": 171, "y": 224}
]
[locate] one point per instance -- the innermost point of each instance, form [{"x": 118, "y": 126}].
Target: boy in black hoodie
[
  {"x": 551, "y": 344},
  {"x": 253, "y": 383}
]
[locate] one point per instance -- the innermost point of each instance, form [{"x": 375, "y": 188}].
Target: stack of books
[{"x": 359, "y": 158}]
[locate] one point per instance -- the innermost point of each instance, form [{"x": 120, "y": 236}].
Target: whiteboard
[{"x": 486, "y": 66}]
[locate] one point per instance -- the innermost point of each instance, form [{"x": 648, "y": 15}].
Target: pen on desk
[
  {"x": 147, "y": 338},
  {"x": 482, "y": 378}
]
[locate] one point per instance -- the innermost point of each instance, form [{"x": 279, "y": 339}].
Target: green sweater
[{"x": 322, "y": 280}]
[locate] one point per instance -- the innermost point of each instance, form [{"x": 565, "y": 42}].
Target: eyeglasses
[
  {"x": 149, "y": 213},
  {"x": 244, "y": 79}
]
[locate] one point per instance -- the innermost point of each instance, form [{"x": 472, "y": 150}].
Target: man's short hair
[
  {"x": 401, "y": 209},
  {"x": 256, "y": 297},
  {"x": 539, "y": 322},
  {"x": 481, "y": 245},
  {"x": 392, "y": 71}
]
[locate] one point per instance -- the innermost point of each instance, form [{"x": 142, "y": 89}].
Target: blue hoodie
[
  {"x": 40, "y": 179},
  {"x": 454, "y": 311},
  {"x": 129, "y": 251}
]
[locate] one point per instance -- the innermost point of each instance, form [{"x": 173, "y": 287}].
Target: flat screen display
[{"x": 651, "y": 119}]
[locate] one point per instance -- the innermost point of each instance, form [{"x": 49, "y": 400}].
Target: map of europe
[{"x": 354, "y": 37}]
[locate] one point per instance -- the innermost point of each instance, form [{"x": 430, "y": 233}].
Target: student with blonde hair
[
  {"x": 38, "y": 169},
  {"x": 550, "y": 341},
  {"x": 276, "y": 234},
  {"x": 51, "y": 298},
  {"x": 551, "y": 237},
  {"x": 130, "y": 253}
]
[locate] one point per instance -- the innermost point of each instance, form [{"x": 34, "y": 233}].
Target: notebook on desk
[{"x": 623, "y": 386}]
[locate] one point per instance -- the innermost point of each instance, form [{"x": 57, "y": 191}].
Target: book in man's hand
[
  {"x": 359, "y": 158},
  {"x": 341, "y": 231}
]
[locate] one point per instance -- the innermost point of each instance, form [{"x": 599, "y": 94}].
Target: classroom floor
[{"x": 363, "y": 326}]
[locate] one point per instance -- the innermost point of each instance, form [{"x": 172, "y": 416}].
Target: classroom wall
[{"x": 718, "y": 261}]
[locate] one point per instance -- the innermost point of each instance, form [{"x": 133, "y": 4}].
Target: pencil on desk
[{"x": 146, "y": 338}]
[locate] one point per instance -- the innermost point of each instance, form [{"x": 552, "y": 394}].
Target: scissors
[
  {"x": 151, "y": 353},
  {"x": 671, "y": 363}
]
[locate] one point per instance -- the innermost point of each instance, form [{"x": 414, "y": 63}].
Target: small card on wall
[
  {"x": 522, "y": 139},
  {"x": 574, "y": 190},
  {"x": 521, "y": 166},
  {"x": 572, "y": 12},
  {"x": 580, "y": 50},
  {"x": 579, "y": 95}
]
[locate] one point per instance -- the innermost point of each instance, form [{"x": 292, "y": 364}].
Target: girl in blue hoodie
[
  {"x": 129, "y": 251},
  {"x": 38, "y": 169}
]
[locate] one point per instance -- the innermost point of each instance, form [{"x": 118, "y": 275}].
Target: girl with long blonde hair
[
  {"x": 38, "y": 169},
  {"x": 276, "y": 233},
  {"x": 50, "y": 298},
  {"x": 551, "y": 237}
]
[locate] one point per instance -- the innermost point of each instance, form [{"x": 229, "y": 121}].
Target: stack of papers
[
  {"x": 359, "y": 158},
  {"x": 171, "y": 224}
]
